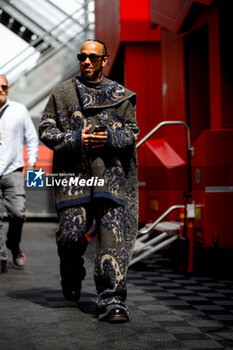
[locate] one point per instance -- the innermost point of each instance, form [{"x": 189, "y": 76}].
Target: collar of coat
[{"x": 103, "y": 94}]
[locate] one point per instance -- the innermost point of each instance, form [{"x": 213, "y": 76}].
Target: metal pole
[{"x": 145, "y": 230}]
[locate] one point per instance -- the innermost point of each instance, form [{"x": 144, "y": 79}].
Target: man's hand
[
  {"x": 98, "y": 139},
  {"x": 95, "y": 140},
  {"x": 86, "y": 137},
  {"x": 30, "y": 167}
]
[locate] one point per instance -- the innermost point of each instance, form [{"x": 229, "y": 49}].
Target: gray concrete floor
[{"x": 168, "y": 310}]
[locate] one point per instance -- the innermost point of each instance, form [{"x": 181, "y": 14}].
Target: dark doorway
[{"x": 196, "y": 47}]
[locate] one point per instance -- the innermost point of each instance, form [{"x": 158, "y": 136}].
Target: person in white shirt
[{"x": 16, "y": 128}]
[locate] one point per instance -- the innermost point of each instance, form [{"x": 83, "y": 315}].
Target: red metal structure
[
  {"x": 176, "y": 55},
  {"x": 197, "y": 72},
  {"x": 135, "y": 61}
]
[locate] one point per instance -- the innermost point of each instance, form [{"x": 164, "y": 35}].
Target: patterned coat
[{"x": 73, "y": 105}]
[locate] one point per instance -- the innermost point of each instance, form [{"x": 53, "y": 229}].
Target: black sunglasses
[
  {"x": 92, "y": 57},
  {"x": 4, "y": 87}
]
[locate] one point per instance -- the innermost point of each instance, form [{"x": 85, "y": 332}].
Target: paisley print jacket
[{"x": 73, "y": 105}]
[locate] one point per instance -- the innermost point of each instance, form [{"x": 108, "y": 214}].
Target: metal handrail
[
  {"x": 154, "y": 249},
  {"x": 190, "y": 148},
  {"x": 145, "y": 232},
  {"x": 167, "y": 122},
  {"x": 148, "y": 229}
]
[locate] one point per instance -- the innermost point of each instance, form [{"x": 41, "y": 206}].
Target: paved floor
[{"x": 168, "y": 310}]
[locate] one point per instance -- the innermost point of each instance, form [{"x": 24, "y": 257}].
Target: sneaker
[
  {"x": 114, "y": 314},
  {"x": 3, "y": 266},
  {"x": 20, "y": 259}
]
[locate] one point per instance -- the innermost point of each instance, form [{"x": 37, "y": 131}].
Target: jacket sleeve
[
  {"x": 51, "y": 130},
  {"x": 120, "y": 138}
]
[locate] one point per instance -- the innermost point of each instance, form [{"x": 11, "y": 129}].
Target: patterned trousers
[{"x": 112, "y": 258}]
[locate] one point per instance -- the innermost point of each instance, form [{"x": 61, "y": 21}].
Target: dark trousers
[
  {"x": 111, "y": 260},
  {"x": 12, "y": 196}
]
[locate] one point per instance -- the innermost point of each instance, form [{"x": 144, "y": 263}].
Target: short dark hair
[{"x": 105, "y": 51}]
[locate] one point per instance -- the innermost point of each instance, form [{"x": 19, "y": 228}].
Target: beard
[{"x": 94, "y": 75}]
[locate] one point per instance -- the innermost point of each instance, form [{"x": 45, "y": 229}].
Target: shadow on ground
[{"x": 53, "y": 298}]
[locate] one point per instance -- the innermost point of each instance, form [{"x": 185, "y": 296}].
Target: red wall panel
[
  {"x": 174, "y": 94},
  {"x": 212, "y": 187},
  {"x": 135, "y": 21},
  {"x": 172, "y": 14},
  {"x": 107, "y": 27},
  {"x": 119, "y": 21},
  {"x": 142, "y": 71},
  {"x": 215, "y": 69}
]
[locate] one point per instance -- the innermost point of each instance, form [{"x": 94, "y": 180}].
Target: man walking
[
  {"x": 89, "y": 122},
  {"x": 15, "y": 127}
]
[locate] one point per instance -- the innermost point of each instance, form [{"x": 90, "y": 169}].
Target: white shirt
[{"x": 16, "y": 128}]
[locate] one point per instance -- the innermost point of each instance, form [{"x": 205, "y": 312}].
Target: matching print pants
[{"x": 111, "y": 259}]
